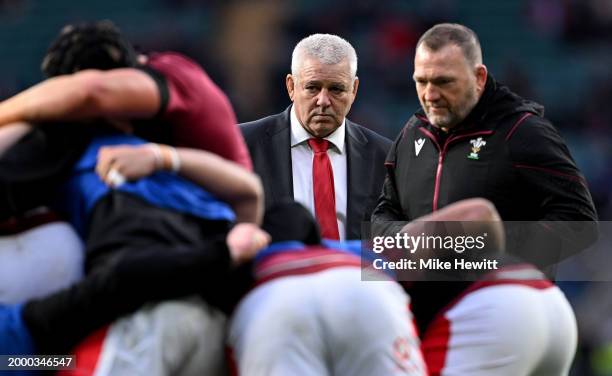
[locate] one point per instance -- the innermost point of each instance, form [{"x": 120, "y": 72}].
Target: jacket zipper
[{"x": 442, "y": 154}]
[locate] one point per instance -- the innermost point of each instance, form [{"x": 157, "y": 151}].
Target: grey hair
[
  {"x": 441, "y": 35},
  {"x": 327, "y": 48}
]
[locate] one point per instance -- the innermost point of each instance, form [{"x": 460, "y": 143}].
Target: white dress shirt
[{"x": 301, "y": 167}]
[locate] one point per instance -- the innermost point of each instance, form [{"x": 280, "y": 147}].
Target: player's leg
[
  {"x": 368, "y": 325},
  {"x": 276, "y": 330},
  {"x": 562, "y": 334},
  {"x": 498, "y": 330},
  {"x": 177, "y": 337},
  {"x": 61, "y": 320},
  {"x": 39, "y": 261}
]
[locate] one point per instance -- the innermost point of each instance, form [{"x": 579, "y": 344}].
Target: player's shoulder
[{"x": 170, "y": 61}]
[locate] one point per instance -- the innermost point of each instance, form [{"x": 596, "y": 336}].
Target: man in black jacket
[{"x": 476, "y": 138}]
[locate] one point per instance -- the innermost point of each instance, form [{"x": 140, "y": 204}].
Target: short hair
[
  {"x": 441, "y": 35},
  {"x": 327, "y": 48},
  {"x": 90, "y": 45}
]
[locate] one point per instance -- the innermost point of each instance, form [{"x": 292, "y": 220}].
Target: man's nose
[
  {"x": 323, "y": 98},
  {"x": 432, "y": 93}
]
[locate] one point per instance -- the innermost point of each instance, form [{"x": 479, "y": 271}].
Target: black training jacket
[{"x": 505, "y": 151}]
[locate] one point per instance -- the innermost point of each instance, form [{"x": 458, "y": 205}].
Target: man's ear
[
  {"x": 290, "y": 82},
  {"x": 481, "y": 77}
]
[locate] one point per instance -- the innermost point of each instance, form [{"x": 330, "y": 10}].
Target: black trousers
[{"x": 136, "y": 253}]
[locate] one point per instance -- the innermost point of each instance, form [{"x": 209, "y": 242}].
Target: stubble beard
[{"x": 456, "y": 114}]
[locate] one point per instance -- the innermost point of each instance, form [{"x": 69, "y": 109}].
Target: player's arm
[
  {"x": 118, "y": 93},
  {"x": 226, "y": 180},
  {"x": 10, "y": 134},
  {"x": 477, "y": 216},
  {"x": 469, "y": 217}
]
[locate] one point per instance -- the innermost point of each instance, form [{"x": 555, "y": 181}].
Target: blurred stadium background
[{"x": 556, "y": 52}]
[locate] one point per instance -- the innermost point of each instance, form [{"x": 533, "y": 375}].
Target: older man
[{"x": 311, "y": 152}]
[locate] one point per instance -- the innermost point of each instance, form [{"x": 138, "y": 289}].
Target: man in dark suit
[{"x": 310, "y": 152}]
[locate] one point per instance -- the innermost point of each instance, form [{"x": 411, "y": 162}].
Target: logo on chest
[
  {"x": 477, "y": 144},
  {"x": 418, "y": 145}
]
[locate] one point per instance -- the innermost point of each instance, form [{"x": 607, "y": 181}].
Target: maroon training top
[{"x": 199, "y": 113}]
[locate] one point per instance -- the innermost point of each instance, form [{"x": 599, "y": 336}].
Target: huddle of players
[{"x": 309, "y": 313}]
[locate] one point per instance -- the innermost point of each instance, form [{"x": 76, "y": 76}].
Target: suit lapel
[
  {"x": 358, "y": 169},
  {"x": 278, "y": 151}
]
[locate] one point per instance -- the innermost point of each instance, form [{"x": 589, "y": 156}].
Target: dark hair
[
  {"x": 444, "y": 34},
  {"x": 289, "y": 220},
  {"x": 91, "y": 45}
]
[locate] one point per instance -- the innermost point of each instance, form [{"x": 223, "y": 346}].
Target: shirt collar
[{"x": 299, "y": 135}]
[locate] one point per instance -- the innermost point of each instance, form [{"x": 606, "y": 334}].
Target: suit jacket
[{"x": 269, "y": 142}]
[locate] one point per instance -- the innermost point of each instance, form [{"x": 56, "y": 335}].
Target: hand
[
  {"x": 245, "y": 240},
  {"x": 125, "y": 162}
]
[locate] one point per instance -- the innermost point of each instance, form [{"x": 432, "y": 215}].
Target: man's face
[
  {"x": 322, "y": 95},
  {"x": 447, "y": 85}
]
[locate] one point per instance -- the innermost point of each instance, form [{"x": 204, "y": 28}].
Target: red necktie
[{"x": 324, "y": 193}]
